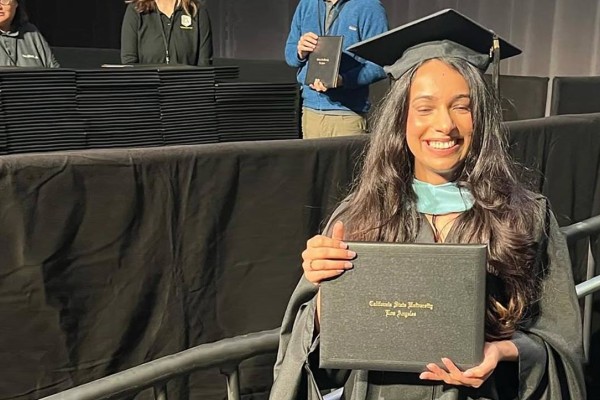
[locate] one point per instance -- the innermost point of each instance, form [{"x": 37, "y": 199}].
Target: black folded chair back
[
  {"x": 522, "y": 97},
  {"x": 575, "y": 95}
]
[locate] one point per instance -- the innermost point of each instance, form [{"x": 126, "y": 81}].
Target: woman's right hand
[{"x": 326, "y": 257}]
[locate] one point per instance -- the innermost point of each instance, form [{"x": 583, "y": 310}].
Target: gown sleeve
[
  {"x": 296, "y": 373},
  {"x": 550, "y": 348}
]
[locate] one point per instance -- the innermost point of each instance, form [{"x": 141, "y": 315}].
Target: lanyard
[{"x": 166, "y": 39}]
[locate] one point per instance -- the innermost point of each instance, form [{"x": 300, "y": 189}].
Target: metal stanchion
[
  {"x": 233, "y": 382},
  {"x": 160, "y": 391}
]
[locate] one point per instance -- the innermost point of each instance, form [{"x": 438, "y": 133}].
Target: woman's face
[
  {"x": 7, "y": 14},
  {"x": 439, "y": 124}
]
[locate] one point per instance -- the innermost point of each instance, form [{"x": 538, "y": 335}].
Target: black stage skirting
[{"x": 111, "y": 258}]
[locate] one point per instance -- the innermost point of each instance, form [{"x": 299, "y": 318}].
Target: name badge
[{"x": 186, "y": 21}]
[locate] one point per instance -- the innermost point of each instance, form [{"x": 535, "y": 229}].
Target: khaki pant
[{"x": 315, "y": 125}]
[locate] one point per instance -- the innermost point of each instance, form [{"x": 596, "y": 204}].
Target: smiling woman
[
  {"x": 21, "y": 44},
  {"x": 437, "y": 170},
  {"x": 439, "y": 124}
]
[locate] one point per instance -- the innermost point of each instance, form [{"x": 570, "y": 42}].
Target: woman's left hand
[{"x": 493, "y": 352}]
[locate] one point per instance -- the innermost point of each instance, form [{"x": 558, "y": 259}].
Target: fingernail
[
  {"x": 351, "y": 254},
  {"x": 468, "y": 374},
  {"x": 343, "y": 245},
  {"x": 348, "y": 265},
  {"x": 421, "y": 376}
]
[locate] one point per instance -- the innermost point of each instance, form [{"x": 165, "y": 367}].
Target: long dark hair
[
  {"x": 143, "y": 6},
  {"x": 382, "y": 205}
]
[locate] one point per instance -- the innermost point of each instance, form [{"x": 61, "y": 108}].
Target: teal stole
[{"x": 442, "y": 199}]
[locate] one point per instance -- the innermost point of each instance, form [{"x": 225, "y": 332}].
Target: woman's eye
[
  {"x": 462, "y": 107},
  {"x": 424, "y": 109}
]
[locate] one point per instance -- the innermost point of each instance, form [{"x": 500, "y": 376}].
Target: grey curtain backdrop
[{"x": 558, "y": 37}]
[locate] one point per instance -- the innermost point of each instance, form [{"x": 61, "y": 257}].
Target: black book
[
  {"x": 404, "y": 306},
  {"x": 324, "y": 61}
]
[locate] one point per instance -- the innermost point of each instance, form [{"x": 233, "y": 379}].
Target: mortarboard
[{"x": 446, "y": 33}]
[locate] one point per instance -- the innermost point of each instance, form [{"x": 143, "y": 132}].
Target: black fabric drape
[
  {"x": 563, "y": 154},
  {"x": 113, "y": 258},
  {"x": 116, "y": 257}
]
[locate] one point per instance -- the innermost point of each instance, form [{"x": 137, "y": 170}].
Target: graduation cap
[{"x": 446, "y": 33}]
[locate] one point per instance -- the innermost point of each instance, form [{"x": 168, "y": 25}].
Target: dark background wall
[
  {"x": 78, "y": 23},
  {"x": 558, "y": 37}
]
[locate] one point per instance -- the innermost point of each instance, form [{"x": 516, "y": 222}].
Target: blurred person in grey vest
[{"x": 21, "y": 44}]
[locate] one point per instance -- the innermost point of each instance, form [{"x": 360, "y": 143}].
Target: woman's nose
[{"x": 444, "y": 122}]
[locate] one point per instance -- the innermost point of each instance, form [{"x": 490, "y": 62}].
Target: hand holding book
[
  {"x": 319, "y": 86},
  {"x": 493, "y": 353},
  {"x": 307, "y": 44},
  {"x": 326, "y": 257},
  {"x": 324, "y": 63}
]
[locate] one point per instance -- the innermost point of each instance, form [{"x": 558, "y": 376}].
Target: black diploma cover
[
  {"x": 403, "y": 306},
  {"x": 324, "y": 61}
]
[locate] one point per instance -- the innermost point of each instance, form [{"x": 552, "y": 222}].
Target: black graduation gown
[{"x": 550, "y": 347}]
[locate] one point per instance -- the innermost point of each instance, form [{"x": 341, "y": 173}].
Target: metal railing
[
  {"x": 573, "y": 233},
  {"x": 588, "y": 287},
  {"x": 227, "y": 354},
  {"x": 581, "y": 230}
]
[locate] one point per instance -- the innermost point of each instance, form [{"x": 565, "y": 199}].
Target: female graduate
[
  {"x": 437, "y": 170},
  {"x": 166, "y": 32}
]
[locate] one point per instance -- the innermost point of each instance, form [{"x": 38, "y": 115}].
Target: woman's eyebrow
[
  {"x": 431, "y": 97},
  {"x": 462, "y": 96}
]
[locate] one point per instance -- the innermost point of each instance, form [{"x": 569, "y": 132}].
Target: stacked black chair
[
  {"x": 187, "y": 104},
  {"x": 226, "y": 72},
  {"x": 39, "y": 111},
  {"x": 257, "y": 111},
  {"x": 139, "y": 106},
  {"x": 3, "y": 129},
  {"x": 121, "y": 107}
]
